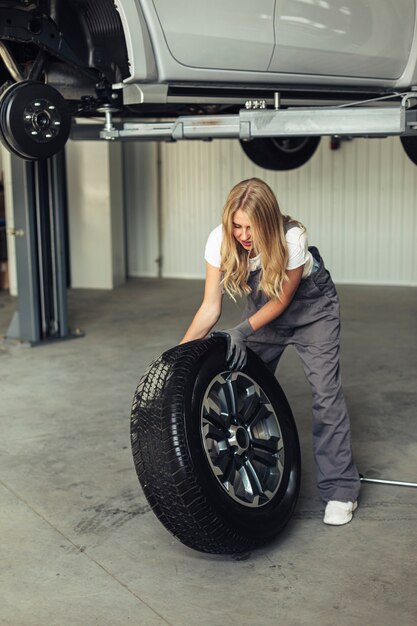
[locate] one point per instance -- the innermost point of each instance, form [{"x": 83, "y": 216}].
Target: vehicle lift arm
[{"x": 256, "y": 121}]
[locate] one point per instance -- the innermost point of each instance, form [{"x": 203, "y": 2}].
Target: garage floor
[{"x": 79, "y": 545}]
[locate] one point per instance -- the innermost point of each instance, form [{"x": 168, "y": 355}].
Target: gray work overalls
[{"x": 311, "y": 323}]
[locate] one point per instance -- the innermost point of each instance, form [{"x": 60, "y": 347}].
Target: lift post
[{"x": 39, "y": 203}]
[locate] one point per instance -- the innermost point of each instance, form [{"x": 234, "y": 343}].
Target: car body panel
[
  {"x": 139, "y": 48},
  {"x": 377, "y": 45},
  {"x": 352, "y": 38},
  {"x": 232, "y": 35}
]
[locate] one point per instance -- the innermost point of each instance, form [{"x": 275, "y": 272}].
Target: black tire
[
  {"x": 410, "y": 147},
  {"x": 280, "y": 153},
  {"x": 35, "y": 121},
  {"x": 191, "y": 453}
]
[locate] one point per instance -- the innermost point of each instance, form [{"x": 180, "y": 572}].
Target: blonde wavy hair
[{"x": 258, "y": 201}]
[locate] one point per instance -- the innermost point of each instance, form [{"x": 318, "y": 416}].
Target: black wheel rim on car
[{"x": 34, "y": 120}]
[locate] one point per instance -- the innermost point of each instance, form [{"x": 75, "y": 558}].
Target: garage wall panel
[
  {"x": 96, "y": 214},
  {"x": 192, "y": 194},
  {"x": 358, "y": 204},
  {"x": 9, "y": 210},
  {"x": 140, "y": 161}
]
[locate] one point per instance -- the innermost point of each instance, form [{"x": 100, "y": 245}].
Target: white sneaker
[{"x": 339, "y": 513}]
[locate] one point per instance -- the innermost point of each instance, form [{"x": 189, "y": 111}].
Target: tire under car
[
  {"x": 280, "y": 153},
  {"x": 216, "y": 452},
  {"x": 410, "y": 147}
]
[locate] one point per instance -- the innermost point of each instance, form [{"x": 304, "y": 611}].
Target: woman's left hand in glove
[{"x": 236, "y": 344}]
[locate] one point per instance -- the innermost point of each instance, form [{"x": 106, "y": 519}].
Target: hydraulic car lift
[{"x": 379, "y": 119}]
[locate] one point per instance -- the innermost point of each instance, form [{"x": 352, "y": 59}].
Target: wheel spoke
[
  {"x": 265, "y": 425},
  {"x": 250, "y": 404},
  {"x": 257, "y": 488},
  {"x": 227, "y": 397},
  {"x": 260, "y": 412},
  {"x": 219, "y": 456},
  {"x": 269, "y": 476},
  {"x": 213, "y": 432},
  {"x": 243, "y": 486},
  {"x": 229, "y": 473},
  {"x": 213, "y": 413},
  {"x": 269, "y": 446},
  {"x": 266, "y": 457},
  {"x": 222, "y": 461}
]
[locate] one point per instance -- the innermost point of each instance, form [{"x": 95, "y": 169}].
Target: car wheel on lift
[
  {"x": 216, "y": 451},
  {"x": 35, "y": 120},
  {"x": 280, "y": 153}
]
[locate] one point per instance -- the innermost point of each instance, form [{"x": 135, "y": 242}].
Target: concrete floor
[{"x": 79, "y": 544}]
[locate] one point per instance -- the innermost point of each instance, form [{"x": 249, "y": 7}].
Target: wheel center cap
[
  {"x": 42, "y": 120},
  {"x": 239, "y": 438}
]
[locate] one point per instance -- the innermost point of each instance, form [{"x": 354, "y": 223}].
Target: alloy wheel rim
[{"x": 242, "y": 439}]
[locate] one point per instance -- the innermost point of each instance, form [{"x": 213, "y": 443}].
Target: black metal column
[{"x": 40, "y": 205}]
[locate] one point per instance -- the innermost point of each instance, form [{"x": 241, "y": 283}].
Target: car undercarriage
[{"x": 63, "y": 60}]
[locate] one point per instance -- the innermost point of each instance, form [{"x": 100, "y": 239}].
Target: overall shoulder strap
[{"x": 290, "y": 225}]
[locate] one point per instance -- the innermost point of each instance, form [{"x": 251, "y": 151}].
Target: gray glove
[{"x": 236, "y": 344}]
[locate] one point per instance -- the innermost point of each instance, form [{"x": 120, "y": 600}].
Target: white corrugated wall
[
  {"x": 141, "y": 202},
  {"x": 359, "y": 205}
]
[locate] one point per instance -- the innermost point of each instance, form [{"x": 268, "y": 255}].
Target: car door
[
  {"x": 219, "y": 34},
  {"x": 350, "y": 38}
]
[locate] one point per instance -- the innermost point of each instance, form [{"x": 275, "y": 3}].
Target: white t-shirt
[{"x": 298, "y": 253}]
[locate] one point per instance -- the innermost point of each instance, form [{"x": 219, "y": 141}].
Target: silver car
[{"x": 275, "y": 74}]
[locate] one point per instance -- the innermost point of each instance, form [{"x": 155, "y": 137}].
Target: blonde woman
[{"x": 291, "y": 299}]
